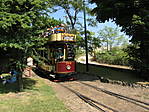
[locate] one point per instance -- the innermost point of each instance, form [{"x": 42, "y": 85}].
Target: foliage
[
  {"x": 93, "y": 42},
  {"x": 134, "y": 54},
  {"x": 114, "y": 43},
  {"x": 79, "y": 52},
  {"x": 128, "y": 14},
  {"x": 132, "y": 16},
  {"x": 73, "y": 9},
  {"x": 21, "y": 22},
  {"x": 135, "y": 60},
  {"x": 117, "y": 56},
  {"x": 111, "y": 37}
]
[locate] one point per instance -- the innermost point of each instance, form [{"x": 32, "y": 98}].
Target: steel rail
[
  {"x": 90, "y": 101},
  {"x": 132, "y": 100}
]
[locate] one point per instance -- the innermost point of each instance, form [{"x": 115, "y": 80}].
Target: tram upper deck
[{"x": 65, "y": 37}]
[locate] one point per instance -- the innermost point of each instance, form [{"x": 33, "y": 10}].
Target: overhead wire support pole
[{"x": 86, "y": 39}]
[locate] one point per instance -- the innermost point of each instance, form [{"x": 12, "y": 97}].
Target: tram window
[
  {"x": 70, "y": 52},
  {"x": 70, "y": 56},
  {"x": 59, "y": 55}
]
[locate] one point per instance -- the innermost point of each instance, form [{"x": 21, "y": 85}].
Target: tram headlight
[{"x": 68, "y": 67}]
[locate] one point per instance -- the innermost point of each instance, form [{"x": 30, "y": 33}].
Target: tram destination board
[
  {"x": 63, "y": 37},
  {"x": 68, "y": 38}
]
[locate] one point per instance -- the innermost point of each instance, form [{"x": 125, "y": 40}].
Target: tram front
[{"x": 61, "y": 47}]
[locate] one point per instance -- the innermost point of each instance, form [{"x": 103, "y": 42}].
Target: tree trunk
[
  {"x": 20, "y": 82},
  {"x": 107, "y": 46}
]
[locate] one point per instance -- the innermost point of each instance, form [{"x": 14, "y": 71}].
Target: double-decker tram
[{"x": 60, "y": 56}]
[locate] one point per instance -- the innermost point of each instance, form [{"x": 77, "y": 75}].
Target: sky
[{"x": 60, "y": 15}]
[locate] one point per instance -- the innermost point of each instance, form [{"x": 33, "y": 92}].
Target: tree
[
  {"x": 133, "y": 17},
  {"x": 72, "y": 9},
  {"x": 111, "y": 37},
  {"x": 93, "y": 43},
  {"x": 21, "y": 22}
]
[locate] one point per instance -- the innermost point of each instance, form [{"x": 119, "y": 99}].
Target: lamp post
[{"x": 85, "y": 31}]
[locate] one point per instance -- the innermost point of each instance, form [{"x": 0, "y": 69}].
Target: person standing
[{"x": 30, "y": 65}]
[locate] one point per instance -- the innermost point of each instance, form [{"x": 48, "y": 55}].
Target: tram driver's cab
[
  {"x": 59, "y": 54},
  {"x": 65, "y": 52},
  {"x": 62, "y": 57}
]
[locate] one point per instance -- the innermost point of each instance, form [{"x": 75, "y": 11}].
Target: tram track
[
  {"x": 128, "y": 99},
  {"x": 98, "y": 105}
]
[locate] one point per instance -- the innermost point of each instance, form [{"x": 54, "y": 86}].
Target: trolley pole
[{"x": 85, "y": 31}]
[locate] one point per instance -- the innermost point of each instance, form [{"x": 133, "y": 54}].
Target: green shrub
[{"x": 115, "y": 56}]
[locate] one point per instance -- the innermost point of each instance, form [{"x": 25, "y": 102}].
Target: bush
[
  {"x": 115, "y": 56},
  {"x": 79, "y": 52}
]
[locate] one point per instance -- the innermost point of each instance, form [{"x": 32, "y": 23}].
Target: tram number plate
[
  {"x": 68, "y": 63},
  {"x": 69, "y": 38}
]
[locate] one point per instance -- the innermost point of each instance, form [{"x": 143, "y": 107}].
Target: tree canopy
[
  {"x": 133, "y": 17},
  {"x": 73, "y": 9},
  {"x": 21, "y": 22},
  {"x": 129, "y": 14},
  {"x": 94, "y": 43},
  {"x": 111, "y": 37}
]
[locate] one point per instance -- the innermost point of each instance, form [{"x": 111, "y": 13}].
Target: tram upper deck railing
[{"x": 62, "y": 37}]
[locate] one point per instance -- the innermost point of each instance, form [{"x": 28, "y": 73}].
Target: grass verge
[{"x": 37, "y": 97}]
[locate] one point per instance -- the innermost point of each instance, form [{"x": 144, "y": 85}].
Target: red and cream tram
[{"x": 60, "y": 55}]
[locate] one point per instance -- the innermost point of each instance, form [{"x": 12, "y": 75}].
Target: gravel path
[{"x": 75, "y": 104}]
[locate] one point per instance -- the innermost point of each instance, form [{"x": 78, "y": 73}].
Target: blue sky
[{"x": 60, "y": 14}]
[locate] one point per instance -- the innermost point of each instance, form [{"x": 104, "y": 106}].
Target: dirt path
[{"x": 75, "y": 104}]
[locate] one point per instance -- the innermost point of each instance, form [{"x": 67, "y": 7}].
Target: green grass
[
  {"x": 37, "y": 97},
  {"x": 8, "y": 88}
]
